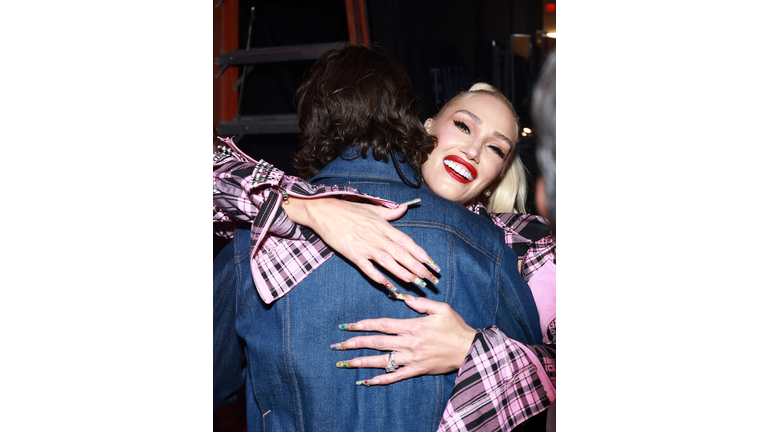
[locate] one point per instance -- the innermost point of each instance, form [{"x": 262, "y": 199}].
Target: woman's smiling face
[{"x": 474, "y": 140}]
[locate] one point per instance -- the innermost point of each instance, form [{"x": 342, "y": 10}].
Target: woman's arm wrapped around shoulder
[
  {"x": 246, "y": 190},
  {"x": 277, "y": 205}
]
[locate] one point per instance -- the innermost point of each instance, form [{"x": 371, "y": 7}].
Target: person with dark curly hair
[
  {"x": 283, "y": 334},
  {"x": 336, "y": 113}
]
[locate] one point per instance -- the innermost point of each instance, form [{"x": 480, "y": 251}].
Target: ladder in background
[{"x": 226, "y": 82}]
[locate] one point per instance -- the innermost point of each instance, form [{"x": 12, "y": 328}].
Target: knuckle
[
  {"x": 379, "y": 343},
  {"x": 384, "y": 258},
  {"x": 403, "y": 239},
  {"x": 399, "y": 252},
  {"x": 416, "y": 348},
  {"x": 385, "y": 325},
  {"x": 416, "y": 355}
]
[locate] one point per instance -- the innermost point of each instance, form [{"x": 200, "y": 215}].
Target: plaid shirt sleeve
[
  {"x": 538, "y": 252},
  {"x": 501, "y": 384},
  {"x": 246, "y": 190}
]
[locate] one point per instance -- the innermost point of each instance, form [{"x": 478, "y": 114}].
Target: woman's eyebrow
[
  {"x": 502, "y": 137},
  {"x": 471, "y": 115},
  {"x": 477, "y": 120}
]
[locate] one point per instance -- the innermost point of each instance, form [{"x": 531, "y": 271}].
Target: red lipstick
[{"x": 462, "y": 164}]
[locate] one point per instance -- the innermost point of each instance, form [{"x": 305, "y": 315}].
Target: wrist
[
  {"x": 296, "y": 210},
  {"x": 466, "y": 340}
]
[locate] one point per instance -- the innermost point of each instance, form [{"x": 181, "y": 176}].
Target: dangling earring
[{"x": 487, "y": 193}]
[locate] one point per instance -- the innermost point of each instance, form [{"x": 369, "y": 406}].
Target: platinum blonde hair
[
  {"x": 510, "y": 194},
  {"x": 482, "y": 88}
]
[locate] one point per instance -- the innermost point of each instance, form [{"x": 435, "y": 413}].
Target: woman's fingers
[
  {"x": 401, "y": 374},
  {"x": 376, "y": 342},
  {"x": 381, "y": 325},
  {"x": 404, "y": 371},
  {"x": 400, "y": 249},
  {"x": 377, "y": 361},
  {"x": 362, "y": 233},
  {"x": 393, "y": 250},
  {"x": 432, "y": 344},
  {"x": 424, "y": 305}
]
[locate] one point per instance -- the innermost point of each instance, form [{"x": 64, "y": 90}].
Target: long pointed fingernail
[
  {"x": 337, "y": 347},
  {"x": 346, "y": 326},
  {"x": 367, "y": 382},
  {"x": 342, "y": 364},
  {"x": 361, "y": 382},
  {"x": 393, "y": 290},
  {"x": 419, "y": 282},
  {"x": 389, "y": 286},
  {"x": 433, "y": 265},
  {"x": 413, "y": 201},
  {"x": 433, "y": 279}
]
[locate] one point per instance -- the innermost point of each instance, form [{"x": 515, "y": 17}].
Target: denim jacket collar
[{"x": 350, "y": 164}]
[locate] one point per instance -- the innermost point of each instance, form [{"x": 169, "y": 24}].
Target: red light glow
[{"x": 550, "y": 7}]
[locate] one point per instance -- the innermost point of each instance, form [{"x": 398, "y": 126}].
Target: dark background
[{"x": 444, "y": 45}]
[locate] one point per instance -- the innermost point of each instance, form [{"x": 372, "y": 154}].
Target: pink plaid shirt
[
  {"x": 501, "y": 384},
  {"x": 500, "y": 377},
  {"x": 249, "y": 191}
]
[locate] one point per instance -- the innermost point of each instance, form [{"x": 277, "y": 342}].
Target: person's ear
[
  {"x": 428, "y": 125},
  {"x": 541, "y": 198}
]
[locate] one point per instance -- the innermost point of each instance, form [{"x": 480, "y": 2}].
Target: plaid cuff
[{"x": 498, "y": 387}]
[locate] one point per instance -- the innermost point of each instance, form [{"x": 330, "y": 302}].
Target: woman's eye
[
  {"x": 461, "y": 125},
  {"x": 498, "y": 151}
]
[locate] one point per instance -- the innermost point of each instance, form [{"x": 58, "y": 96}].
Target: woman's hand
[
  {"x": 430, "y": 345},
  {"x": 362, "y": 234}
]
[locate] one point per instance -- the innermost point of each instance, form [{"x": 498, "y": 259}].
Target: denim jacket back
[{"x": 291, "y": 379}]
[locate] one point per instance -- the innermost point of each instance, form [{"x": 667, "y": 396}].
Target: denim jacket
[{"x": 289, "y": 369}]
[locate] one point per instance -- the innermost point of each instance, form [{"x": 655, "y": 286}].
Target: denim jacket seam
[
  {"x": 516, "y": 313},
  {"x": 228, "y": 285},
  {"x": 456, "y": 232},
  {"x": 289, "y": 362},
  {"x": 351, "y": 178}
]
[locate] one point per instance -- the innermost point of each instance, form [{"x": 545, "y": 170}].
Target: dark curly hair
[{"x": 358, "y": 96}]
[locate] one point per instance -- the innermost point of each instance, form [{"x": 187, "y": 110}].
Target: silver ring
[{"x": 391, "y": 365}]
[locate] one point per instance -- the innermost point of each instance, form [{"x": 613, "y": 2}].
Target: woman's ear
[{"x": 428, "y": 124}]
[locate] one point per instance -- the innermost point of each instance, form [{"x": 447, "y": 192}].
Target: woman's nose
[{"x": 471, "y": 149}]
